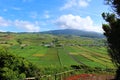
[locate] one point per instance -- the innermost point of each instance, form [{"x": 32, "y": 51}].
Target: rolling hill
[{"x": 60, "y": 50}]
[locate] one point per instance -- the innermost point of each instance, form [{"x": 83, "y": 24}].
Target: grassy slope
[
  {"x": 65, "y": 58},
  {"x": 90, "y": 58},
  {"x": 68, "y": 55}
]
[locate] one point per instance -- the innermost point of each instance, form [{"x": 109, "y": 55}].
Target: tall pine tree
[{"x": 112, "y": 33}]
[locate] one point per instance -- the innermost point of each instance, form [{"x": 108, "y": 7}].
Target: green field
[
  {"x": 65, "y": 56},
  {"x": 46, "y": 50}
]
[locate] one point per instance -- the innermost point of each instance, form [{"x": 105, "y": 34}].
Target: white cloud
[
  {"x": 83, "y": 3},
  {"x": 23, "y": 25},
  {"x": 69, "y": 4},
  {"x": 75, "y": 3},
  {"x": 36, "y": 15},
  {"x": 30, "y": 27},
  {"x": 76, "y": 22},
  {"x": 4, "y": 23}
]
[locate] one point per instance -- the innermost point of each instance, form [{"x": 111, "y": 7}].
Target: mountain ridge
[{"x": 75, "y": 32}]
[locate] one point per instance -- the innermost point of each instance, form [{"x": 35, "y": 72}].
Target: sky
[{"x": 44, "y": 15}]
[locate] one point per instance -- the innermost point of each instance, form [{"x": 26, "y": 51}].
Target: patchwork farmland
[
  {"x": 65, "y": 56},
  {"x": 55, "y": 54}
]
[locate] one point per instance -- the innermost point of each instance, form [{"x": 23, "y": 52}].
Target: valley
[{"x": 59, "y": 53}]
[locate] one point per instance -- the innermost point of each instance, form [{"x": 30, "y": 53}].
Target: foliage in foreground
[
  {"x": 14, "y": 68},
  {"x": 112, "y": 32}
]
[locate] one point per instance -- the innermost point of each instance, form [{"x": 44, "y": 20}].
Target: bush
[{"x": 14, "y": 68}]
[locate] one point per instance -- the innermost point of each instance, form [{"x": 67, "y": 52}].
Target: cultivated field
[
  {"x": 59, "y": 53},
  {"x": 65, "y": 56}
]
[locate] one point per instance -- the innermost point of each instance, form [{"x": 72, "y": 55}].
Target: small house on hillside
[{"x": 49, "y": 45}]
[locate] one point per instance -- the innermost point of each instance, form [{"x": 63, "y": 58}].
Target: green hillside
[{"x": 45, "y": 50}]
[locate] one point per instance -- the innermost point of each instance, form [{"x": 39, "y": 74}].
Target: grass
[
  {"x": 101, "y": 50},
  {"x": 87, "y": 62},
  {"x": 65, "y": 58},
  {"x": 90, "y": 58},
  {"x": 95, "y": 52},
  {"x": 50, "y": 58},
  {"x": 29, "y": 52}
]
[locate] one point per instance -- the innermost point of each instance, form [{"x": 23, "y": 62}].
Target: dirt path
[{"x": 90, "y": 77}]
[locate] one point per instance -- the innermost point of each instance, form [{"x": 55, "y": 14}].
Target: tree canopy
[
  {"x": 115, "y": 4},
  {"x": 112, "y": 33}
]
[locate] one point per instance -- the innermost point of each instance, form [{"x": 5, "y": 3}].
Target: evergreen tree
[{"x": 112, "y": 33}]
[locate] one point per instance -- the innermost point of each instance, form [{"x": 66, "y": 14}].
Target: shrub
[{"x": 14, "y": 68}]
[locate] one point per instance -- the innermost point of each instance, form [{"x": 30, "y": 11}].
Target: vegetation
[
  {"x": 15, "y": 68},
  {"x": 53, "y": 54},
  {"x": 112, "y": 32}
]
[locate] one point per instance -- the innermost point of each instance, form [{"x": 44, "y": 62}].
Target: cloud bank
[
  {"x": 24, "y": 25},
  {"x": 76, "y": 22}
]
